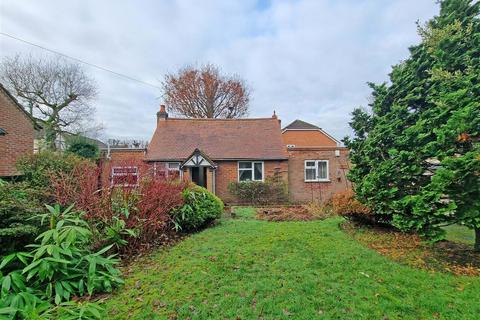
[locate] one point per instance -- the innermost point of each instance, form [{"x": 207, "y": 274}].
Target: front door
[{"x": 199, "y": 176}]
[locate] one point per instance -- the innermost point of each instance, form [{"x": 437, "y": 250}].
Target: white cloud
[{"x": 306, "y": 59}]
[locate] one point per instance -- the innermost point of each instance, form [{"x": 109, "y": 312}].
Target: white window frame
[
  {"x": 180, "y": 171},
  {"x": 317, "y": 178},
  {"x": 124, "y": 174},
  {"x": 167, "y": 168},
  {"x": 251, "y": 169}
]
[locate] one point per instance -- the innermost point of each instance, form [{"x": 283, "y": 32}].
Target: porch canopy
[
  {"x": 200, "y": 169},
  {"x": 198, "y": 159}
]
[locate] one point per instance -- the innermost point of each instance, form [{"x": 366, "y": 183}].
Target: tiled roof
[
  {"x": 217, "y": 138},
  {"x": 301, "y": 125}
]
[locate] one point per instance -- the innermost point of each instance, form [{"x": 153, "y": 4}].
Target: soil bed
[{"x": 292, "y": 213}]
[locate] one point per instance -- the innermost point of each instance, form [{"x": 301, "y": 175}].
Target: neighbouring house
[
  {"x": 17, "y": 133},
  {"x": 317, "y": 164},
  {"x": 61, "y": 141},
  {"x": 216, "y": 152}
]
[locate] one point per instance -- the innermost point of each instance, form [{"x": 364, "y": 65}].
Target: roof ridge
[
  {"x": 221, "y": 119},
  {"x": 299, "y": 124}
]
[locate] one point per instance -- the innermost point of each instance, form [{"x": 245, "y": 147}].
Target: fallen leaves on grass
[
  {"x": 445, "y": 256},
  {"x": 291, "y": 213}
]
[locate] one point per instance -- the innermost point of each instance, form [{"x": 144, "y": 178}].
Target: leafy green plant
[
  {"x": 74, "y": 310},
  {"x": 60, "y": 266},
  {"x": 38, "y": 168},
  {"x": 116, "y": 231},
  {"x": 201, "y": 207},
  {"x": 18, "y": 203},
  {"x": 83, "y": 147}
]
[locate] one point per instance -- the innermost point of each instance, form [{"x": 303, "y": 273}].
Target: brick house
[
  {"x": 215, "y": 152},
  {"x": 321, "y": 159},
  {"x": 17, "y": 133}
]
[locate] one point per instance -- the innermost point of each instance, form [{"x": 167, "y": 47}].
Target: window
[
  {"x": 164, "y": 170},
  {"x": 316, "y": 170},
  {"x": 125, "y": 176},
  {"x": 250, "y": 171},
  {"x": 173, "y": 169}
]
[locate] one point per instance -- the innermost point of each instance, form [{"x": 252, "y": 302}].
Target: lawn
[
  {"x": 460, "y": 233},
  {"x": 249, "y": 269}
]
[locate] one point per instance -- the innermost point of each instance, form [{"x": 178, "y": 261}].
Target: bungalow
[
  {"x": 215, "y": 152},
  {"x": 17, "y": 133}
]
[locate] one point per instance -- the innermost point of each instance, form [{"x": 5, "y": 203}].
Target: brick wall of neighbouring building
[
  {"x": 227, "y": 172},
  {"x": 307, "y": 138},
  {"x": 301, "y": 191},
  {"x": 18, "y": 140},
  {"x": 120, "y": 157}
]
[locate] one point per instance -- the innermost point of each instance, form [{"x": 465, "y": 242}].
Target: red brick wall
[
  {"x": 125, "y": 157},
  {"x": 301, "y": 191},
  {"x": 227, "y": 172},
  {"x": 307, "y": 138},
  {"x": 19, "y": 138}
]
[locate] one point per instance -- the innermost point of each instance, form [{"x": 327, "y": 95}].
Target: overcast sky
[{"x": 307, "y": 60}]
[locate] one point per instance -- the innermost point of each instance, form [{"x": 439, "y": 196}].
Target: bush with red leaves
[
  {"x": 125, "y": 192},
  {"x": 345, "y": 204}
]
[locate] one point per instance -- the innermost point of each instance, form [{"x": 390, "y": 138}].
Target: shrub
[
  {"x": 130, "y": 217},
  {"x": 156, "y": 200},
  {"x": 60, "y": 266},
  {"x": 273, "y": 190},
  {"x": 344, "y": 204},
  {"x": 78, "y": 185},
  {"x": 38, "y": 168},
  {"x": 201, "y": 207},
  {"x": 83, "y": 147},
  {"x": 18, "y": 205}
]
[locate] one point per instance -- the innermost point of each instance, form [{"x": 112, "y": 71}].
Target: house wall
[
  {"x": 301, "y": 191},
  {"x": 227, "y": 172},
  {"x": 19, "y": 138},
  {"x": 307, "y": 138}
]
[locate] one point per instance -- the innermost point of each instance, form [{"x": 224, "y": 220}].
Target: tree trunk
[
  {"x": 477, "y": 239},
  {"x": 50, "y": 137}
]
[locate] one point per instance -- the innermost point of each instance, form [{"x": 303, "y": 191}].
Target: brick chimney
[
  {"x": 274, "y": 116},
  {"x": 162, "y": 115}
]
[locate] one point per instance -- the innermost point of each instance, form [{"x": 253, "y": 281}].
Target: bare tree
[
  {"x": 54, "y": 91},
  {"x": 205, "y": 93}
]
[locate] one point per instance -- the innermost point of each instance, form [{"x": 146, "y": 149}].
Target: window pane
[
  {"x": 245, "y": 165},
  {"x": 310, "y": 174},
  {"x": 310, "y": 164},
  {"x": 322, "y": 170},
  {"x": 174, "y": 165},
  {"x": 245, "y": 175},
  {"x": 257, "y": 171}
]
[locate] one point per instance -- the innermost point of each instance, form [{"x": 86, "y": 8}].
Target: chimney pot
[
  {"x": 162, "y": 115},
  {"x": 274, "y": 116}
]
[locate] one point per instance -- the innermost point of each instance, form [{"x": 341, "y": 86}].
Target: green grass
[
  {"x": 249, "y": 269},
  {"x": 460, "y": 233}
]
